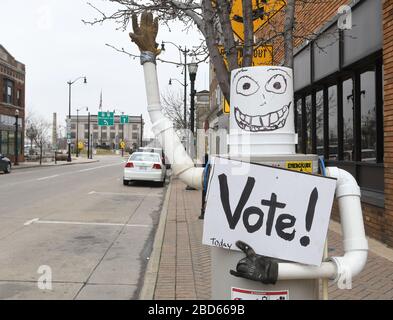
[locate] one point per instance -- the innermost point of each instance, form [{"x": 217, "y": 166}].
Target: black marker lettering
[
  {"x": 273, "y": 205},
  {"x": 305, "y": 241},
  {"x": 224, "y": 195},
  {"x": 246, "y": 215},
  {"x": 281, "y": 225}
]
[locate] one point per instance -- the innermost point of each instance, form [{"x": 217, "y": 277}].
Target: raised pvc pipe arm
[
  {"x": 182, "y": 164},
  {"x": 354, "y": 238}
]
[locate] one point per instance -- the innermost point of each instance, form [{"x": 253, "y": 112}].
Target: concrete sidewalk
[
  {"x": 36, "y": 164},
  {"x": 179, "y": 267}
]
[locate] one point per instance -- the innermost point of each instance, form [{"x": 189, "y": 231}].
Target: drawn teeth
[
  {"x": 273, "y": 118},
  {"x": 255, "y": 121},
  {"x": 268, "y": 122}
]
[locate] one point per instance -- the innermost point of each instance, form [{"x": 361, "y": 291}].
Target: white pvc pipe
[
  {"x": 182, "y": 164},
  {"x": 355, "y": 242}
]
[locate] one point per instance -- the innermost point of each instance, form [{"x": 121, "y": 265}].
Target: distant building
[
  {"x": 12, "y": 101},
  {"x": 202, "y": 111},
  {"x": 108, "y": 136}
]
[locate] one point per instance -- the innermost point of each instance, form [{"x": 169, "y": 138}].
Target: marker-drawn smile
[{"x": 268, "y": 122}]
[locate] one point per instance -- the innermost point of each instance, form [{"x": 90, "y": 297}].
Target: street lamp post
[
  {"x": 70, "y": 83},
  {"x": 89, "y": 151},
  {"x": 184, "y": 51},
  {"x": 16, "y": 136},
  {"x": 192, "y": 69},
  {"x": 141, "y": 131}
]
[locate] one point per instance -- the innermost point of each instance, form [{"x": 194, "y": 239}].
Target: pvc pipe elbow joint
[{"x": 349, "y": 265}]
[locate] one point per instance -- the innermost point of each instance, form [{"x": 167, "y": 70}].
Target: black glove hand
[{"x": 255, "y": 267}]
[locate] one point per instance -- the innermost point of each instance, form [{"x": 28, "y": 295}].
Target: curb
[
  {"x": 150, "y": 279},
  {"x": 52, "y": 165}
]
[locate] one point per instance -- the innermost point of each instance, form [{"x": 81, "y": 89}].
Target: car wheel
[
  {"x": 125, "y": 182},
  {"x": 8, "y": 168}
]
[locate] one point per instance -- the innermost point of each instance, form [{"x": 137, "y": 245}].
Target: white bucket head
[{"x": 262, "y": 111}]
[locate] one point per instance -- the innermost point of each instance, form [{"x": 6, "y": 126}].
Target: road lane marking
[
  {"x": 124, "y": 194},
  {"x": 27, "y": 223},
  {"x": 100, "y": 167},
  {"x": 48, "y": 177},
  {"x": 38, "y": 221},
  {"x": 12, "y": 184}
]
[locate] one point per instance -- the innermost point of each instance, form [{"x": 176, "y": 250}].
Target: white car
[{"x": 144, "y": 166}]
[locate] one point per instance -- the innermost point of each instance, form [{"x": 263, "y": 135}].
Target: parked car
[
  {"x": 144, "y": 166},
  {"x": 156, "y": 150},
  {"x": 5, "y": 164}
]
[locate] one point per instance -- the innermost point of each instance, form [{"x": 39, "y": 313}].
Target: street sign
[
  {"x": 280, "y": 213},
  {"x": 80, "y": 145},
  {"x": 106, "y": 118},
  {"x": 226, "y": 107},
  {"x": 123, "y": 119},
  {"x": 262, "y": 12},
  {"x": 122, "y": 145},
  {"x": 263, "y": 55},
  {"x": 68, "y": 141}
]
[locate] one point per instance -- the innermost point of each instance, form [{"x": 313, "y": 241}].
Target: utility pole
[
  {"x": 70, "y": 83},
  {"x": 141, "y": 132},
  {"x": 88, "y": 136},
  {"x": 16, "y": 136}
]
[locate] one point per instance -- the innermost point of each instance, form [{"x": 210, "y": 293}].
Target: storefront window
[
  {"x": 333, "y": 128},
  {"x": 11, "y": 143},
  {"x": 309, "y": 125},
  {"x": 368, "y": 117},
  {"x": 320, "y": 122},
  {"x": 4, "y": 142},
  {"x": 348, "y": 104},
  {"x": 20, "y": 144},
  {"x": 299, "y": 124}
]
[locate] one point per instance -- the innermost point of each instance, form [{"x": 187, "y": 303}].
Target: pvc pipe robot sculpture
[{"x": 261, "y": 123}]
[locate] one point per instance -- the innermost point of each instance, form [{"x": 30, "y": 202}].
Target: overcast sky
[{"x": 49, "y": 37}]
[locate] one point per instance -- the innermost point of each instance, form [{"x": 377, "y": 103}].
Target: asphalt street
[{"x": 93, "y": 234}]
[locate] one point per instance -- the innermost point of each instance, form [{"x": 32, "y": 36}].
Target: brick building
[
  {"x": 12, "y": 102},
  {"x": 344, "y": 95}
]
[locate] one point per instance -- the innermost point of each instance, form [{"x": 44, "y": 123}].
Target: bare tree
[
  {"x": 289, "y": 23},
  {"x": 173, "y": 107},
  {"x": 37, "y": 130},
  {"x": 214, "y": 22},
  {"x": 30, "y": 129},
  {"x": 212, "y": 18}
]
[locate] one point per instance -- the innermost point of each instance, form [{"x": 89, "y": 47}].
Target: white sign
[
  {"x": 246, "y": 294},
  {"x": 68, "y": 141},
  {"x": 280, "y": 213}
]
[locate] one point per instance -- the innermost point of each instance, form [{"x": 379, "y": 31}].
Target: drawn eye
[
  {"x": 277, "y": 84},
  {"x": 246, "y": 86}
]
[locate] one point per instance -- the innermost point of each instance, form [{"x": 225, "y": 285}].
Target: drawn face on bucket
[{"x": 262, "y": 100}]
